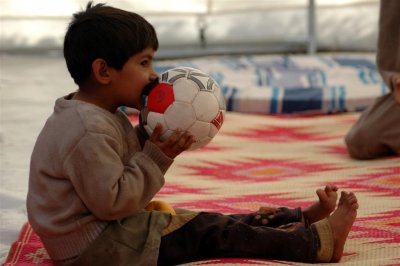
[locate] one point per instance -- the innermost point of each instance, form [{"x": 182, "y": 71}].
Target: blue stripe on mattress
[
  {"x": 274, "y": 101},
  {"x": 333, "y": 99},
  {"x": 342, "y": 99},
  {"x": 294, "y": 100}
]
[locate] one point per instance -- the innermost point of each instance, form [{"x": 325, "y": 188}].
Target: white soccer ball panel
[
  {"x": 213, "y": 131},
  {"x": 185, "y": 90},
  {"x": 200, "y": 130},
  {"x": 205, "y": 106},
  {"x": 187, "y": 69},
  {"x": 167, "y": 134},
  {"x": 173, "y": 74},
  {"x": 179, "y": 115},
  {"x": 200, "y": 144},
  {"x": 202, "y": 82},
  {"x": 220, "y": 97},
  {"x": 152, "y": 120}
]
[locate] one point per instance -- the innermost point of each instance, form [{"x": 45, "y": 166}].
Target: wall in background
[{"x": 190, "y": 27}]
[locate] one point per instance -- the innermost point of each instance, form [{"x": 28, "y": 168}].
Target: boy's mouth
[
  {"x": 149, "y": 87},
  {"x": 146, "y": 90}
]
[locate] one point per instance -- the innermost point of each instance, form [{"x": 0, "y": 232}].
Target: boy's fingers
[
  {"x": 156, "y": 135},
  {"x": 189, "y": 141},
  {"x": 180, "y": 144},
  {"x": 178, "y": 141},
  {"x": 185, "y": 141}
]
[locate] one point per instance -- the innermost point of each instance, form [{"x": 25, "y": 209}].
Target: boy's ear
[{"x": 101, "y": 71}]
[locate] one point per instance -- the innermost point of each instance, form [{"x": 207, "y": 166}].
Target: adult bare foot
[
  {"x": 341, "y": 222},
  {"x": 323, "y": 208}
]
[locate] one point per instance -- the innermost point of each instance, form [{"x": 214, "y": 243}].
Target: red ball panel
[
  {"x": 160, "y": 97},
  {"x": 218, "y": 120}
]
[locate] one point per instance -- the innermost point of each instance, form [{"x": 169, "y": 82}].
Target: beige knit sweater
[{"x": 88, "y": 168}]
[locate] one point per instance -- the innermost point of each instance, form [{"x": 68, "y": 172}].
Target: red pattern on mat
[
  {"x": 28, "y": 250},
  {"x": 258, "y": 170},
  {"x": 276, "y": 161},
  {"x": 283, "y": 134},
  {"x": 381, "y": 229}
]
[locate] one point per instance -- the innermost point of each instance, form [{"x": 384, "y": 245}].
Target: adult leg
[
  {"x": 388, "y": 53},
  {"x": 377, "y": 131}
]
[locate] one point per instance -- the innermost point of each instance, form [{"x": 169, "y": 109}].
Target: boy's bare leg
[
  {"x": 341, "y": 222},
  {"x": 323, "y": 208}
]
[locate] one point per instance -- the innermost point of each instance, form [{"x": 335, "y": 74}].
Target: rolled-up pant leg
[{"x": 274, "y": 234}]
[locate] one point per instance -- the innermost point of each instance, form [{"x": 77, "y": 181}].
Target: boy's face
[{"x": 130, "y": 81}]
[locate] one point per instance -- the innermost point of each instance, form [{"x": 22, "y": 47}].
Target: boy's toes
[{"x": 330, "y": 188}]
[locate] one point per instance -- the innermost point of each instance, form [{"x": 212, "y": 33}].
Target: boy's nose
[{"x": 153, "y": 75}]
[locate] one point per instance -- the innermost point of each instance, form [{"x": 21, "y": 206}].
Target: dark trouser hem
[{"x": 269, "y": 233}]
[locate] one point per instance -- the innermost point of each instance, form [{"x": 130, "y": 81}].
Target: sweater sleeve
[{"x": 110, "y": 188}]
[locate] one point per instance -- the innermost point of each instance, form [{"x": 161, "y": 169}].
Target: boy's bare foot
[
  {"x": 323, "y": 208},
  {"x": 341, "y": 222}
]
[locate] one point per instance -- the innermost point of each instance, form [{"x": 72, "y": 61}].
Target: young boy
[
  {"x": 92, "y": 174},
  {"x": 377, "y": 132}
]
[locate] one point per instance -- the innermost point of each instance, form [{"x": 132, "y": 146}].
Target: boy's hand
[{"x": 178, "y": 142}]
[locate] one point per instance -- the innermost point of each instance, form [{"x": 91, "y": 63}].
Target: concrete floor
[{"x": 29, "y": 85}]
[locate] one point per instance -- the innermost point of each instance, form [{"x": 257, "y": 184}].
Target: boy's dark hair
[{"x": 105, "y": 32}]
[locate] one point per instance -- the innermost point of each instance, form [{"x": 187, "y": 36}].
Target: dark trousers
[{"x": 268, "y": 233}]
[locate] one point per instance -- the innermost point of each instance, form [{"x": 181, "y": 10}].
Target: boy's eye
[{"x": 145, "y": 62}]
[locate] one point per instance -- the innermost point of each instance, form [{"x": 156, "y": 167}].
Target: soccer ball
[{"x": 184, "y": 98}]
